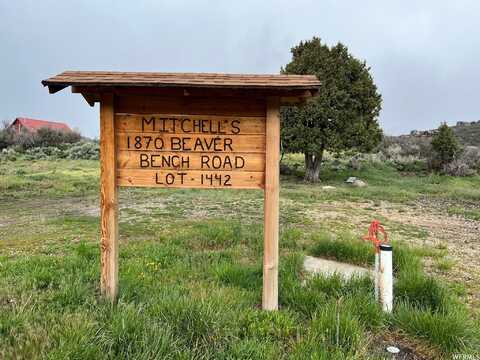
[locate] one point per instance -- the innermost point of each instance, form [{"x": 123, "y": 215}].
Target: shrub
[
  {"x": 44, "y": 153},
  {"x": 83, "y": 151},
  {"x": 52, "y": 137},
  {"x": 6, "y": 138},
  {"x": 457, "y": 167},
  {"x": 43, "y": 137},
  {"x": 75, "y": 151},
  {"x": 9, "y": 154},
  {"x": 23, "y": 140},
  {"x": 394, "y": 147},
  {"x": 465, "y": 164},
  {"x": 471, "y": 156},
  {"x": 406, "y": 153}
]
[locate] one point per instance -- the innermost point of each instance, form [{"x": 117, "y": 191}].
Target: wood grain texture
[
  {"x": 190, "y": 179},
  {"x": 191, "y": 143},
  {"x": 271, "y": 206},
  {"x": 197, "y": 124},
  {"x": 108, "y": 200},
  {"x": 181, "y": 91},
  {"x": 157, "y": 160},
  {"x": 139, "y": 104}
]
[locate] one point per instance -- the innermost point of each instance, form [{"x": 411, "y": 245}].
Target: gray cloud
[{"x": 424, "y": 55}]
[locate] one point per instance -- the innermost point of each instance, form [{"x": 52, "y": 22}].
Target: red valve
[{"x": 372, "y": 236}]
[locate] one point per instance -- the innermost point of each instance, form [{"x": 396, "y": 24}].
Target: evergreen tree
[
  {"x": 445, "y": 145},
  {"x": 344, "y": 114}
]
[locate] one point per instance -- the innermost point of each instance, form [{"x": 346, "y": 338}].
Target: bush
[
  {"x": 441, "y": 153},
  {"x": 43, "y": 137},
  {"x": 51, "y": 137},
  {"x": 77, "y": 151},
  {"x": 83, "y": 151},
  {"x": 6, "y": 138},
  {"x": 416, "y": 147},
  {"x": 44, "y": 153},
  {"x": 9, "y": 154},
  {"x": 471, "y": 156},
  {"x": 406, "y": 153},
  {"x": 457, "y": 167},
  {"x": 465, "y": 164}
]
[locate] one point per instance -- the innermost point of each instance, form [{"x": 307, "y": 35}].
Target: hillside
[{"x": 468, "y": 133}]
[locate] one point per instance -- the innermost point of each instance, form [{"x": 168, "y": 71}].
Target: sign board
[
  {"x": 190, "y": 151},
  {"x": 184, "y": 130}
]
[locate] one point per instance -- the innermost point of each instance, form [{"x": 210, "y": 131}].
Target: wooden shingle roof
[{"x": 191, "y": 80}]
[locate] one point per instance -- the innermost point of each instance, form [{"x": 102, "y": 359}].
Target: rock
[
  {"x": 393, "y": 349},
  {"x": 359, "y": 183},
  {"x": 356, "y": 182},
  {"x": 315, "y": 265},
  {"x": 328, "y": 187}
]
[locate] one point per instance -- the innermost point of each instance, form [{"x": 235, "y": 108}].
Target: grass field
[{"x": 191, "y": 273}]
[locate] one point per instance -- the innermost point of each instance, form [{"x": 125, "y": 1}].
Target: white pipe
[
  {"x": 386, "y": 278},
  {"x": 376, "y": 273}
]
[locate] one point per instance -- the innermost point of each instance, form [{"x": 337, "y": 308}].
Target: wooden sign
[
  {"x": 188, "y": 131},
  {"x": 190, "y": 151}
]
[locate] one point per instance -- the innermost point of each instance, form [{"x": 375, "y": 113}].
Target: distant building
[{"x": 32, "y": 125}]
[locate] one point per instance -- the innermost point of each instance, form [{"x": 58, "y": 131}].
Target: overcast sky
[{"x": 424, "y": 55}]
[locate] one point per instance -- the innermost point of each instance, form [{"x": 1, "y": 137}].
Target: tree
[
  {"x": 342, "y": 116},
  {"x": 445, "y": 146},
  {"x": 7, "y": 135}
]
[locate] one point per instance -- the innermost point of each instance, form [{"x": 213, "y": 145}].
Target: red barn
[{"x": 33, "y": 125}]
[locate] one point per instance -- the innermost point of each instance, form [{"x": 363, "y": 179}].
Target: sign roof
[{"x": 194, "y": 80}]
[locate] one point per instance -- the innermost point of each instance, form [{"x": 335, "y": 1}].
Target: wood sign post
[{"x": 187, "y": 130}]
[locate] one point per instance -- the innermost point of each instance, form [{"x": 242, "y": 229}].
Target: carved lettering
[{"x": 190, "y": 150}]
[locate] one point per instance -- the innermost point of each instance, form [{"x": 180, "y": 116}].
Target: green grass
[
  {"x": 445, "y": 264},
  {"x": 343, "y": 247},
  {"x": 449, "y": 331},
  {"x": 385, "y": 183},
  {"x": 425, "y": 308},
  {"x": 473, "y": 214},
  {"x": 52, "y": 178},
  {"x": 191, "y": 272}
]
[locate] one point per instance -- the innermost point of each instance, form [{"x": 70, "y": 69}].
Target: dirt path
[{"x": 24, "y": 211}]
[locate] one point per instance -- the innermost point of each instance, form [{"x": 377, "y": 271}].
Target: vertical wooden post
[
  {"x": 108, "y": 200},
  {"x": 271, "y": 206}
]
